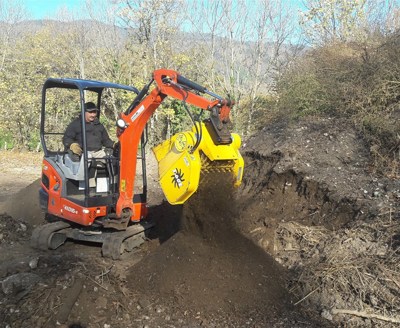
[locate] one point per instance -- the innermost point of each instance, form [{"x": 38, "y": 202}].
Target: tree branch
[{"x": 366, "y": 315}]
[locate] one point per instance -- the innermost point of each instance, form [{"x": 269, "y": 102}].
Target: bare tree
[
  {"x": 249, "y": 44},
  {"x": 151, "y": 25},
  {"x": 205, "y": 20},
  {"x": 11, "y": 13},
  {"x": 271, "y": 50},
  {"x": 334, "y": 20},
  {"x": 384, "y": 16}
]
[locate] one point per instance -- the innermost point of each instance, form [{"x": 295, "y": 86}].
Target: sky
[{"x": 40, "y": 9}]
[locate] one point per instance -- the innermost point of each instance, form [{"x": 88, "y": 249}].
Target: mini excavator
[{"x": 114, "y": 212}]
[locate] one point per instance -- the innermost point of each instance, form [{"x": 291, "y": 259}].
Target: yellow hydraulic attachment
[{"x": 179, "y": 166}]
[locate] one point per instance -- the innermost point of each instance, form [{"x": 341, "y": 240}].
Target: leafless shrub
[{"x": 358, "y": 81}]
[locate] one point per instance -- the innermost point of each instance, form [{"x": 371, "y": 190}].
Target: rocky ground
[{"x": 311, "y": 239}]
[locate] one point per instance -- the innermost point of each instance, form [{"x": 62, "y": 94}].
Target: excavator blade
[{"x": 182, "y": 167}]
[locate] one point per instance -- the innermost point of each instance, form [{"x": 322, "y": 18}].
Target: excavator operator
[{"x": 96, "y": 135}]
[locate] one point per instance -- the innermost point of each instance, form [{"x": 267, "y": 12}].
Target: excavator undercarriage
[{"x": 114, "y": 243}]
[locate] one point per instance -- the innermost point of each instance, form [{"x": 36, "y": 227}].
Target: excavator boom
[{"x": 184, "y": 156}]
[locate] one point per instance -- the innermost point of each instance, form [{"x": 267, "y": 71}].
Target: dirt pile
[
  {"x": 13, "y": 230},
  {"x": 24, "y": 205},
  {"x": 209, "y": 271}
]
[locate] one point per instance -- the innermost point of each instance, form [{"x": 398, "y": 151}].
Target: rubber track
[
  {"x": 40, "y": 235},
  {"x": 113, "y": 243}
]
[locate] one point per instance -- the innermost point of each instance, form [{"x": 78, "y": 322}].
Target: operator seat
[
  {"x": 99, "y": 171},
  {"x": 71, "y": 169}
]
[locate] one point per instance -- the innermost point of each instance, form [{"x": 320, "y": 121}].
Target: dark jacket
[{"x": 96, "y": 135}]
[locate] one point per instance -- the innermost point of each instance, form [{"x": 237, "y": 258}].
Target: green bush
[
  {"x": 6, "y": 140},
  {"x": 33, "y": 143},
  {"x": 302, "y": 94},
  {"x": 254, "y": 114}
]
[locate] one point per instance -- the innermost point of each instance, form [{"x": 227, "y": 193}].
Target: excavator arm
[{"x": 209, "y": 146}]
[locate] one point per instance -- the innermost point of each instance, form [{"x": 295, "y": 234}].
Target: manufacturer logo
[
  {"x": 180, "y": 142},
  {"x": 70, "y": 209},
  {"x": 177, "y": 178},
  {"x": 138, "y": 112}
]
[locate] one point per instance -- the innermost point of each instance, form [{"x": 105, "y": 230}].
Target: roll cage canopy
[
  {"x": 91, "y": 85},
  {"x": 81, "y": 86}
]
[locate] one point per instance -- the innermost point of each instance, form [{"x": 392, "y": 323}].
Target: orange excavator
[{"x": 114, "y": 211}]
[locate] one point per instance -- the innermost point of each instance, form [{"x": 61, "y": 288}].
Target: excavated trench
[
  {"x": 330, "y": 243},
  {"x": 269, "y": 197}
]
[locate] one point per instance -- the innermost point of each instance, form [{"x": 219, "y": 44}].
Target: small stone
[
  {"x": 34, "y": 263},
  {"x": 101, "y": 302},
  {"x": 144, "y": 303},
  {"x": 326, "y": 314},
  {"x": 18, "y": 282},
  {"x": 159, "y": 309}
]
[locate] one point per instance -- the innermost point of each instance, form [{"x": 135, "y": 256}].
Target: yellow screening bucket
[{"x": 180, "y": 168}]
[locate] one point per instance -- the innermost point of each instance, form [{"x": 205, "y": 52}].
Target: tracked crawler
[{"x": 114, "y": 211}]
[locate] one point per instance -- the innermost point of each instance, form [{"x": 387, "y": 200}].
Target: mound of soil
[
  {"x": 24, "y": 205},
  {"x": 209, "y": 270},
  {"x": 311, "y": 200},
  {"x": 13, "y": 230}
]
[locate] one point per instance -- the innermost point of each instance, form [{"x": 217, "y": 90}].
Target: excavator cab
[{"x": 70, "y": 184}]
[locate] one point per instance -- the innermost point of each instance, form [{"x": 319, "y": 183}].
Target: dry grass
[
  {"x": 13, "y": 160},
  {"x": 351, "y": 275},
  {"x": 28, "y": 157}
]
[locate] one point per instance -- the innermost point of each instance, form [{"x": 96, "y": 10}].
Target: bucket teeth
[
  {"x": 223, "y": 166},
  {"x": 213, "y": 172}
]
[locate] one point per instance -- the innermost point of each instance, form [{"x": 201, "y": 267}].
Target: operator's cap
[{"x": 90, "y": 107}]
